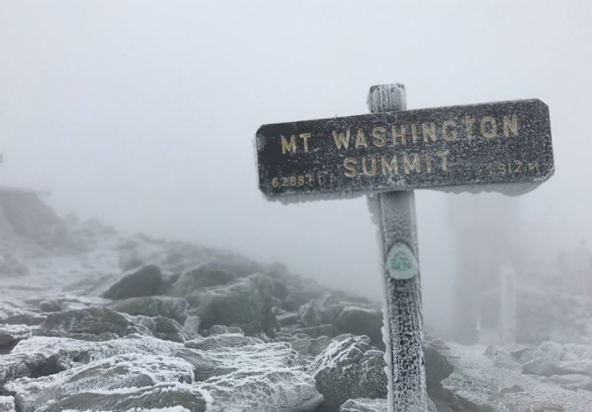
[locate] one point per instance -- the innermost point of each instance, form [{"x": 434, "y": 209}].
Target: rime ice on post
[
  {"x": 402, "y": 325},
  {"x": 502, "y": 146}
]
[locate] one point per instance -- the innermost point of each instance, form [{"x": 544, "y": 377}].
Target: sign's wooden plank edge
[{"x": 507, "y": 189}]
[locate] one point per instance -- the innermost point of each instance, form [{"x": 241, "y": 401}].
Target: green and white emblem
[{"x": 401, "y": 263}]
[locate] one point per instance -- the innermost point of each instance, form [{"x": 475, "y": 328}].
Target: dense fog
[{"x": 143, "y": 114}]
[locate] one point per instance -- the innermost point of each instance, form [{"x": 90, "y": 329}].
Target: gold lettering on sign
[
  {"x": 428, "y": 163},
  {"x": 448, "y": 135},
  {"x": 492, "y": 132},
  {"x": 411, "y": 165},
  {"x": 288, "y": 146},
  {"x": 431, "y": 132},
  {"x": 444, "y": 156},
  {"x": 468, "y": 122},
  {"x": 361, "y": 139},
  {"x": 518, "y": 166},
  {"x": 400, "y": 135},
  {"x": 510, "y": 125},
  {"x": 378, "y": 134},
  {"x": 414, "y": 133},
  {"x": 341, "y": 139},
  {"x": 350, "y": 166},
  {"x": 367, "y": 172},
  {"x": 305, "y": 137},
  {"x": 389, "y": 167},
  {"x": 533, "y": 166}
]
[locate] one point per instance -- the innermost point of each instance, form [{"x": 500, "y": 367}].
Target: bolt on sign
[
  {"x": 492, "y": 143},
  {"x": 503, "y": 146}
]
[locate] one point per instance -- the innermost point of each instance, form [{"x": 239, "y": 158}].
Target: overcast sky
[{"x": 143, "y": 113}]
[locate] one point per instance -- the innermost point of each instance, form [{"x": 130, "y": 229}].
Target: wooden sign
[{"x": 482, "y": 144}]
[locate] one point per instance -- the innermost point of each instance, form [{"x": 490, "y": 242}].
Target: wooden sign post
[
  {"x": 402, "y": 323},
  {"x": 503, "y": 146}
]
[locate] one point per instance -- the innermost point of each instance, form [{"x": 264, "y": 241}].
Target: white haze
[{"x": 142, "y": 114}]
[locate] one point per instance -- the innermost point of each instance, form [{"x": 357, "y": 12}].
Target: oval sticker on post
[{"x": 401, "y": 263}]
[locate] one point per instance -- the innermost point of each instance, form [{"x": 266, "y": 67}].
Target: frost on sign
[{"x": 483, "y": 144}]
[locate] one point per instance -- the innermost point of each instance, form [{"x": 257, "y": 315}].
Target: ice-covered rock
[
  {"x": 192, "y": 324},
  {"x": 221, "y": 330},
  {"x": 318, "y": 331},
  {"x": 165, "y": 328},
  {"x": 310, "y": 346},
  {"x": 373, "y": 405},
  {"x": 267, "y": 390},
  {"x": 158, "y": 398},
  {"x": 43, "y": 356},
  {"x": 552, "y": 358},
  {"x": 361, "y": 321},
  {"x": 232, "y": 371},
  {"x": 111, "y": 374},
  {"x": 174, "y": 308},
  {"x": 96, "y": 323},
  {"x": 364, "y": 405},
  {"x": 348, "y": 369},
  {"x": 145, "y": 281},
  {"x": 226, "y": 340},
  {"x": 200, "y": 277},
  {"x": 11, "y": 309},
  {"x": 310, "y": 314},
  {"x": 245, "y": 303},
  {"x": 503, "y": 357},
  {"x": 31, "y": 219},
  {"x": 7, "y": 404},
  {"x": 437, "y": 367},
  {"x": 10, "y": 335},
  {"x": 19, "y": 365}
]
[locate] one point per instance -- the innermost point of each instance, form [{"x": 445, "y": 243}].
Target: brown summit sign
[{"x": 483, "y": 144}]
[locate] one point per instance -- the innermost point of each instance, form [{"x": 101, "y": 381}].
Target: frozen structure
[{"x": 485, "y": 242}]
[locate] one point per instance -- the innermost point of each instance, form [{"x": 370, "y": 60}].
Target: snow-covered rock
[
  {"x": 97, "y": 323},
  {"x": 477, "y": 381},
  {"x": 165, "y": 328},
  {"x": 28, "y": 217},
  {"x": 201, "y": 277},
  {"x": 310, "y": 314},
  {"x": 119, "y": 373},
  {"x": 364, "y": 405},
  {"x": 347, "y": 369},
  {"x": 267, "y": 390},
  {"x": 310, "y": 346},
  {"x": 438, "y": 367},
  {"x": 7, "y": 404},
  {"x": 361, "y": 321},
  {"x": 10, "y": 335},
  {"x": 157, "y": 398},
  {"x": 373, "y": 405},
  {"x": 145, "y": 281},
  {"x": 245, "y": 303},
  {"x": 232, "y": 375},
  {"x": 174, "y": 308}
]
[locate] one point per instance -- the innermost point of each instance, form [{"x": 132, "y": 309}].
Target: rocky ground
[{"x": 101, "y": 321}]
